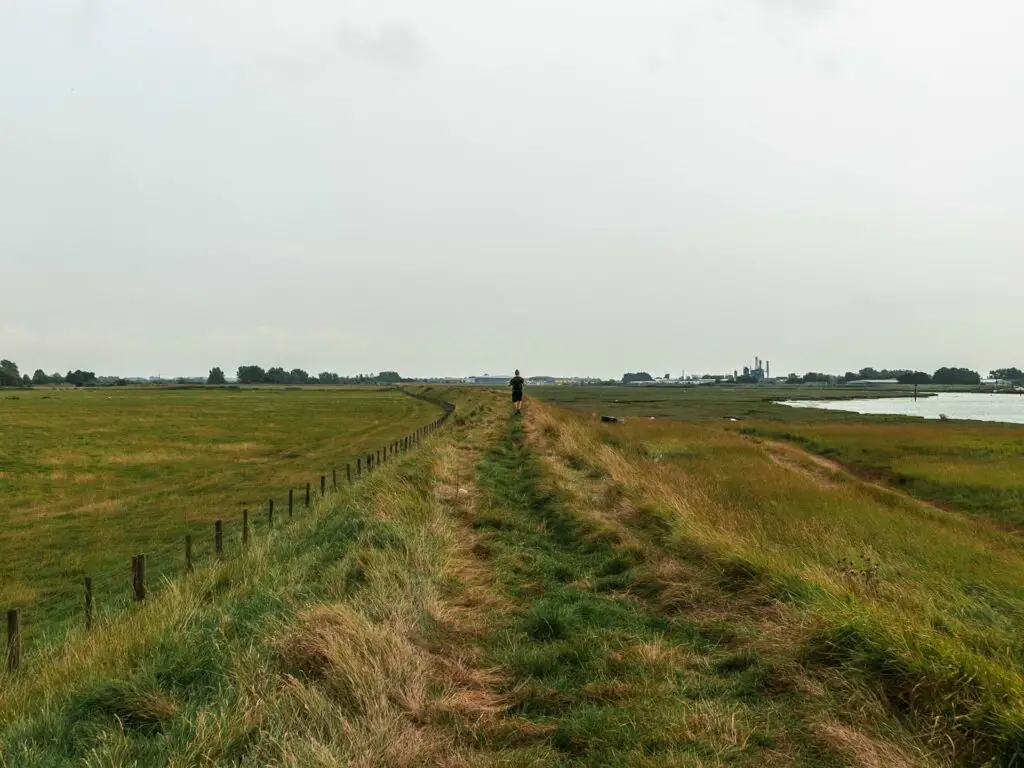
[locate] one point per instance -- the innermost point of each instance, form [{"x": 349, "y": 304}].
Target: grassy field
[
  {"x": 710, "y": 403},
  {"x": 90, "y": 477},
  {"x": 469, "y": 605},
  {"x": 970, "y": 466},
  {"x": 551, "y": 591},
  {"x": 976, "y": 468}
]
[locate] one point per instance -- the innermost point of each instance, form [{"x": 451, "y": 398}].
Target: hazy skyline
[{"x": 457, "y": 187}]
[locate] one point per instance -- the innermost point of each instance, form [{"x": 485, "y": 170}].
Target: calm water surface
[{"x": 955, "y": 405}]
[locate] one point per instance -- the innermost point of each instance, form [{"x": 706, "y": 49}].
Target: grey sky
[{"x": 462, "y": 186}]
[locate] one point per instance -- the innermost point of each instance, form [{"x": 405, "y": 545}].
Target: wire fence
[{"x": 97, "y": 596}]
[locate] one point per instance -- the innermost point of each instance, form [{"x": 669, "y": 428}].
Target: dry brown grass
[
  {"x": 866, "y": 751},
  {"x": 369, "y": 668}
]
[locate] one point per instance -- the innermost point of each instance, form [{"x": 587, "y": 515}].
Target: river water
[{"x": 956, "y": 405}]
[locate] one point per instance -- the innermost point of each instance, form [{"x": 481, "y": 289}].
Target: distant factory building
[{"x": 760, "y": 372}]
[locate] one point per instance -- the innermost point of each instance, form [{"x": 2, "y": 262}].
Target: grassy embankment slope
[
  {"x": 936, "y": 610},
  {"x": 550, "y": 592},
  {"x": 91, "y": 477}
]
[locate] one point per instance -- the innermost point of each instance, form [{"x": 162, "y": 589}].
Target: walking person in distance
[{"x": 517, "y": 391}]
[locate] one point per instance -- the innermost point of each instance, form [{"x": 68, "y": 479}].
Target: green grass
[
  {"x": 224, "y": 668},
  {"x": 924, "y": 606},
  {"x": 90, "y": 477},
  {"x": 975, "y": 468},
  {"x": 972, "y": 467},
  {"x": 551, "y": 591},
  {"x": 609, "y": 678}
]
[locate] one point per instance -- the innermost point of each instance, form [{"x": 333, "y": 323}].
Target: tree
[
  {"x": 792, "y": 379},
  {"x": 251, "y": 374},
  {"x": 216, "y": 377},
  {"x": 277, "y": 375},
  {"x": 956, "y": 376},
  {"x": 816, "y": 378},
  {"x": 299, "y": 376},
  {"x": 628, "y": 378},
  {"x": 914, "y": 377},
  {"x": 9, "y": 375},
  {"x": 81, "y": 378},
  {"x": 875, "y": 375},
  {"x": 56, "y": 378},
  {"x": 389, "y": 377},
  {"x": 1007, "y": 374},
  {"x": 39, "y": 378},
  {"x": 329, "y": 378}
]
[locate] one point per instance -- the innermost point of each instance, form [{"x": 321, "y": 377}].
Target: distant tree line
[
  {"x": 254, "y": 374},
  {"x": 945, "y": 375},
  {"x": 11, "y": 377},
  {"x": 1016, "y": 375}
]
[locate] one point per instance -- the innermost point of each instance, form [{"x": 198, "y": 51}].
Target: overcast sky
[{"x": 456, "y": 186}]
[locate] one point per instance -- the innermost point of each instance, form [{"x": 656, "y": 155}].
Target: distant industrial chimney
[{"x": 767, "y": 369}]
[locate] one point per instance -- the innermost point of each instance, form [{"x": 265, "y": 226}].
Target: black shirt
[{"x": 517, "y": 383}]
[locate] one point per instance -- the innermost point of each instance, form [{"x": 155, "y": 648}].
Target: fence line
[{"x": 15, "y": 655}]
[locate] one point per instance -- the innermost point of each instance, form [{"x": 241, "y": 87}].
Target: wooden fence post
[
  {"x": 245, "y": 526},
  {"x": 323, "y": 485},
  {"x": 88, "y": 602},
  {"x": 359, "y": 467},
  {"x": 307, "y": 495},
  {"x": 188, "y": 553},
  {"x": 334, "y": 477},
  {"x": 377, "y": 462},
  {"x": 135, "y": 577},
  {"x": 270, "y": 514},
  {"x": 291, "y": 499},
  {"x": 218, "y": 538},
  {"x": 13, "y": 639},
  {"x": 140, "y": 577},
  {"x": 348, "y": 473}
]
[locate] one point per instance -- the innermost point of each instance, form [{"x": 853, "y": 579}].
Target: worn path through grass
[{"x": 607, "y": 670}]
